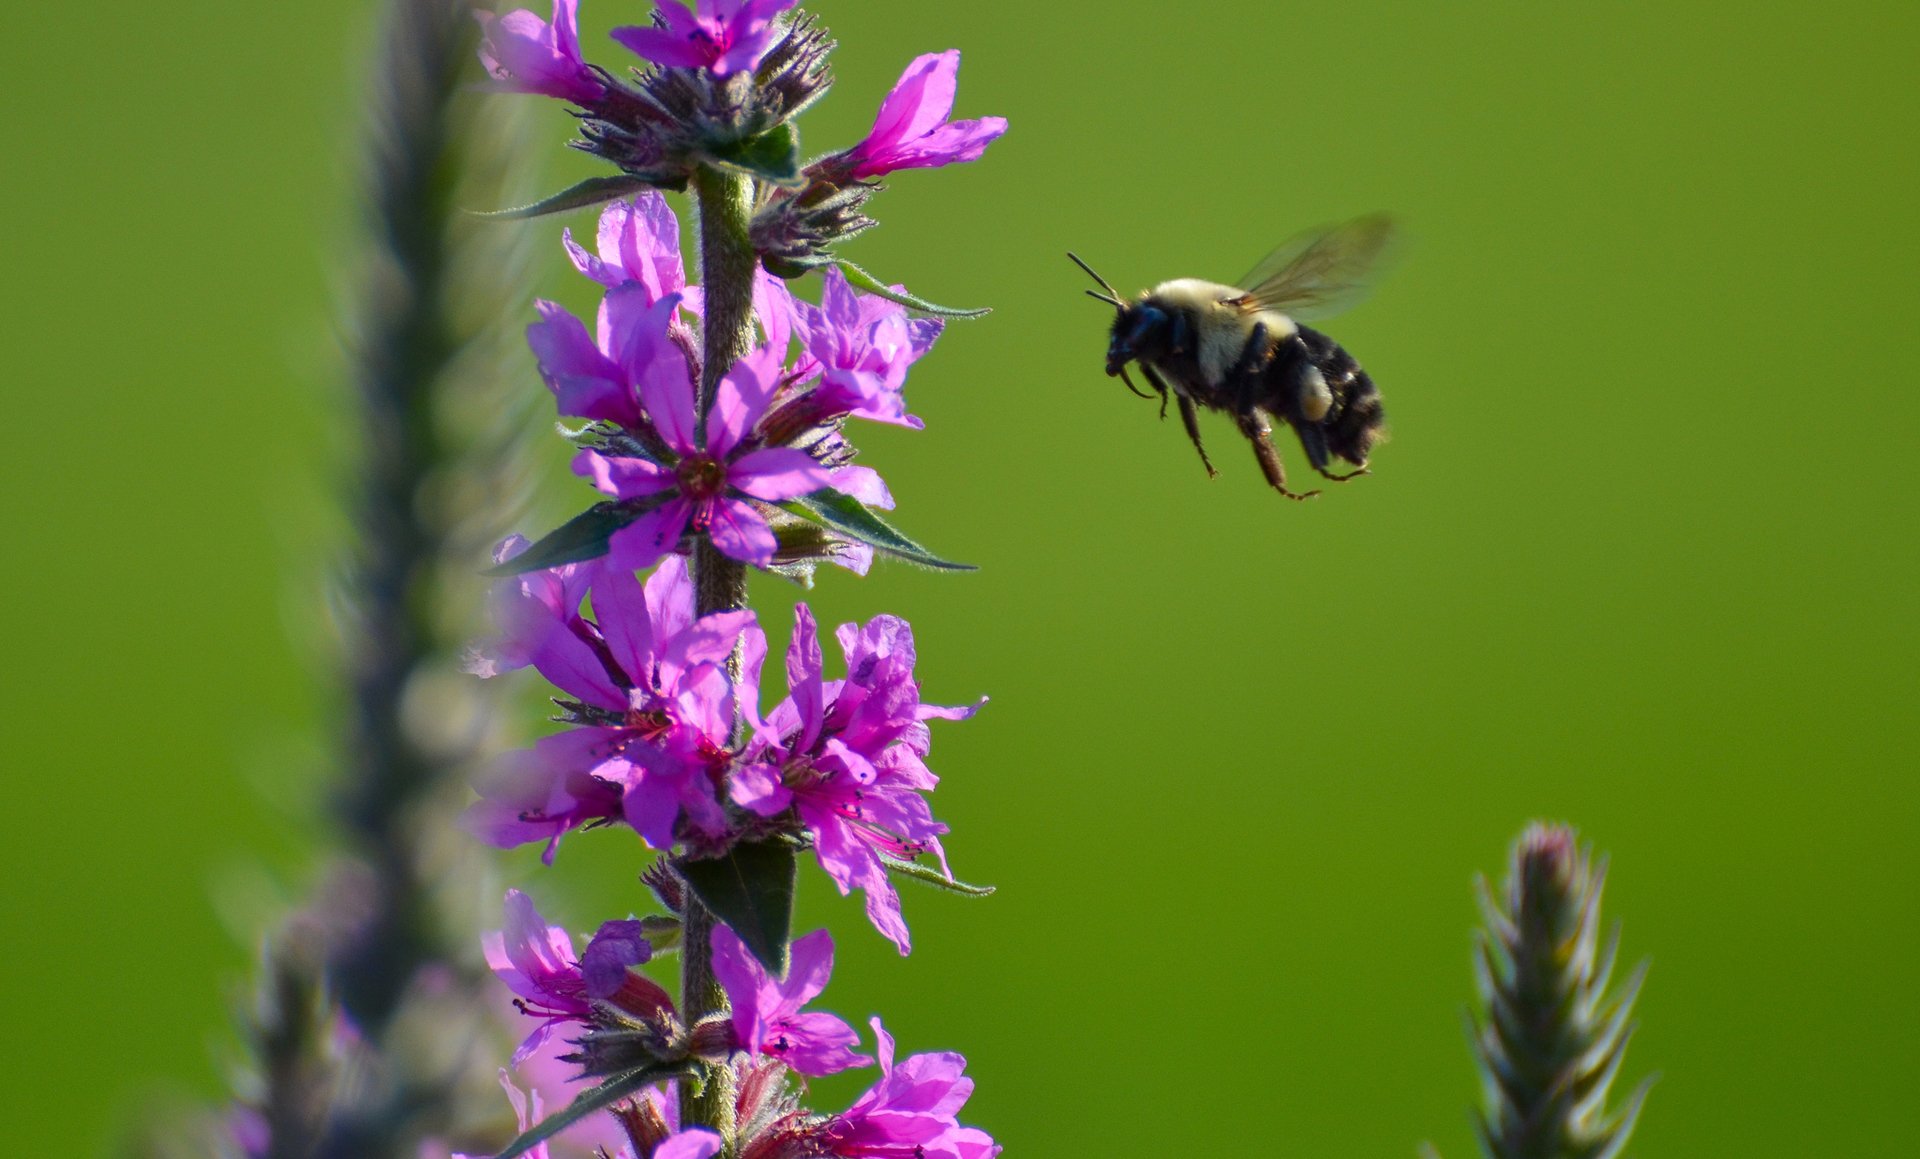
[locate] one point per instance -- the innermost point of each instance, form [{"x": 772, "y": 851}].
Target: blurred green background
[{"x": 1640, "y": 556}]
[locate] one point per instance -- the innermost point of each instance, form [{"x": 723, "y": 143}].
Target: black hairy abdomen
[{"x": 1354, "y": 422}]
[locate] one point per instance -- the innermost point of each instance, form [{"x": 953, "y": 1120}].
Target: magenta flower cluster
[
  {"x": 664, "y": 728},
  {"x": 650, "y": 708},
  {"x": 909, "y": 1113}
]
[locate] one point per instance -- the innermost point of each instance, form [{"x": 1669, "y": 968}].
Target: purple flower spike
[
  {"x": 862, "y": 345},
  {"x": 525, "y": 54},
  {"x": 766, "y": 1010},
  {"x": 909, "y": 1113},
  {"x": 726, "y": 36},
  {"x": 537, "y": 963},
  {"x": 710, "y": 485},
  {"x": 912, "y": 130},
  {"x": 638, "y": 241},
  {"x": 606, "y": 376},
  {"x": 846, "y": 755}
]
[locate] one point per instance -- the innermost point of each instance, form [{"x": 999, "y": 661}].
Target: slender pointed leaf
[
  {"x": 773, "y": 156},
  {"x": 850, "y": 517},
  {"x": 590, "y": 1100},
  {"x": 751, "y": 890},
  {"x": 933, "y": 877},
  {"x": 872, "y": 285},
  {"x": 583, "y": 537},
  {"x": 592, "y": 191}
]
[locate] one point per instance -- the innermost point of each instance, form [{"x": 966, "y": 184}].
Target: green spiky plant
[{"x": 1549, "y": 1037}]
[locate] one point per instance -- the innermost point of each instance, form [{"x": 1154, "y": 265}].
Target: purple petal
[
  {"x": 692, "y": 1143},
  {"x": 585, "y": 382},
  {"x": 640, "y": 544},
  {"x": 525, "y": 54},
  {"x": 920, "y": 100},
  {"x": 743, "y": 978},
  {"x": 864, "y": 484},
  {"x": 709, "y": 640},
  {"x": 623, "y": 478},
  {"x": 809, "y": 967},
  {"x": 804, "y": 666},
  {"x": 758, "y": 788},
  {"x": 741, "y": 532},
  {"x": 615, "y": 947},
  {"x": 741, "y": 398},
  {"x": 620, "y": 609},
  {"x": 776, "y": 473},
  {"x": 773, "y": 307},
  {"x": 819, "y": 1043},
  {"x": 666, "y": 394},
  {"x": 659, "y": 45}
]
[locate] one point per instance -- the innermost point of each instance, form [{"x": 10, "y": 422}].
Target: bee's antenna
[
  {"x": 1107, "y": 298},
  {"x": 1112, "y": 295}
]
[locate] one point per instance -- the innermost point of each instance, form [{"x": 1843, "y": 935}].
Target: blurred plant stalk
[{"x": 368, "y": 1016}]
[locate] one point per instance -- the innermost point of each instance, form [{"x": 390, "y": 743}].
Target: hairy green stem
[{"x": 727, "y": 261}]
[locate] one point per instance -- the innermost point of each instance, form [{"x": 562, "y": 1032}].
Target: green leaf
[
  {"x": 933, "y": 877},
  {"x": 593, "y": 1099},
  {"x": 751, "y": 890},
  {"x": 773, "y": 156},
  {"x": 872, "y": 285},
  {"x": 851, "y": 518},
  {"x": 581, "y": 538},
  {"x": 592, "y": 191}
]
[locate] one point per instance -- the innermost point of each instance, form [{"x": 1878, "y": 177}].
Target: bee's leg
[
  {"x": 1261, "y": 436},
  {"x": 1313, "y": 440},
  {"x": 1243, "y": 379},
  {"x": 1191, "y": 418}
]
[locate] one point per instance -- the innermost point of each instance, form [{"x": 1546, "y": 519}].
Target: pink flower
[
  {"x": 846, "y": 755},
  {"x": 766, "y": 1010},
  {"x": 912, "y": 130},
  {"x": 537, "y": 963},
  {"x": 714, "y": 479},
  {"x": 909, "y": 1113},
  {"x": 726, "y": 36},
  {"x": 638, "y": 241},
  {"x": 861, "y": 346},
  {"x": 528, "y": 1109},
  {"x": 525, "y": 54},
  {"x": 605, "y": 376},
  {"x": 650, "y": 698}
]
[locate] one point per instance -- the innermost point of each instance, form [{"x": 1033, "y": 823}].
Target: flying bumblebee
[{"x": 1245, "y": 352}]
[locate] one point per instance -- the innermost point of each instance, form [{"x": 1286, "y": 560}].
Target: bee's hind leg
[
  {"x": 1314, "y": 442},
  {"x": 1261, "y": 436}
]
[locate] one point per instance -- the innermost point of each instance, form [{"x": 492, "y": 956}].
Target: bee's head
[
  {"x": 1140, "y": 330},
  {"x": 1135, "y": 325}
]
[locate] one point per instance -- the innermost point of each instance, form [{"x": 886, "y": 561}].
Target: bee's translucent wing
[{"x": 1322, "y": 271}]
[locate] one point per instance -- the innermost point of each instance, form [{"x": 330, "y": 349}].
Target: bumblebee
[{"x": 1244, "y": 352}]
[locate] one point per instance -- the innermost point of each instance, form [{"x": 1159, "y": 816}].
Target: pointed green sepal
[
  {"x": 849, "y": 517},
  {"x": 592, "y": 191},
  {"x": 585, "y": 536},
  {"x": 872, "y": 285},
  {"x": 751, "y": 890},
  {"x": 773, "y": 156},
  {"x": 933, "y": 877},
  {"x": 593, "y": 1099}
]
